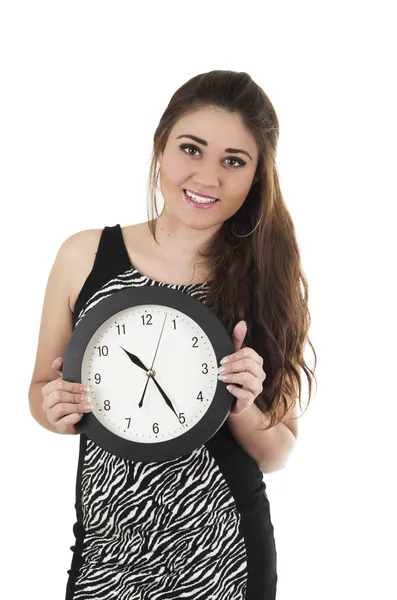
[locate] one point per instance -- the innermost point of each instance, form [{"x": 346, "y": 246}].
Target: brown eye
[
  {"x": 239, "y": 161},
  {"x": 183, "y": 147},
  {"x": 188, "y": 146}
]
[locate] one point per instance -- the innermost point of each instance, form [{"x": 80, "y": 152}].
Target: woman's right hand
[{"x": 63, "y": 402}]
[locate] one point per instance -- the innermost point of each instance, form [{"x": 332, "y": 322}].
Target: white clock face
[{"x": 185, "y": 368}]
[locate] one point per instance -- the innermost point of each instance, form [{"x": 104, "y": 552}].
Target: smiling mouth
[
  {"x": 204, "y": 196},
  {"x": 200, "y": 200}
]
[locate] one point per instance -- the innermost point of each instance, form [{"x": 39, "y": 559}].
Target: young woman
[{"x": 197, "y": 527}]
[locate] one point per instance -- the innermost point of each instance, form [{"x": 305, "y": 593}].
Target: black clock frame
[{"x": 220, "y": 406}]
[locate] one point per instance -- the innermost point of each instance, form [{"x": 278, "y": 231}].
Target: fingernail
[{"x": 224, "y": 360}]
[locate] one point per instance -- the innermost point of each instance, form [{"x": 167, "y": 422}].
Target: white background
[{"x": 83, "y": 85}]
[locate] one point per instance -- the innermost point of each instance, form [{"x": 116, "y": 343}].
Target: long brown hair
[{"x": 258, "y": 278}]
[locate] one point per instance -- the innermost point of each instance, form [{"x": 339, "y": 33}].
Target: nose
[{"x": 206, "y": 179}]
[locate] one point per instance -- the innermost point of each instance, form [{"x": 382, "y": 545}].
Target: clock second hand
[
  {"x": 150, "y": 372},
  {"x": 167, "y": 400}
]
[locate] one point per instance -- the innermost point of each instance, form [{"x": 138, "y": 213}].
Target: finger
[
  {"x": 244, "y": 391},
  {"x": 64, "y": 408},
  {"x": 66, "y": 425},
  {"x": 61, "y": 384},
  {"x": 57, "y": 365},
  {"x": 245, "y": 364},
  {"x": 247, "y": 380},
  {"x": 245, "y": 353},
  {"x": 61, "y": 395},
  {"x": 243, "y": 399}
]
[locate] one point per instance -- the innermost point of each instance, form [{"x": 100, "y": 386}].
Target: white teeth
[{"x": 199, "y": 198}]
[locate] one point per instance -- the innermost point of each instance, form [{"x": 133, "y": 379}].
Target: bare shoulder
[
  {"x": 80, "y": 250},
  {"x": 73, "y": 263},
  {"x": 70, "y": 265}
]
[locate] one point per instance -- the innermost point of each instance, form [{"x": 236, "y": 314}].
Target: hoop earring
[{"x": 247, "y": 234}]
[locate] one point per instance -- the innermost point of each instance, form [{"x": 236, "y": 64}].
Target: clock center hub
[{"x": 151, "y": 373}]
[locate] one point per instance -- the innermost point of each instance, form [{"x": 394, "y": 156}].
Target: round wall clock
[{"x": 150, "y": 357}]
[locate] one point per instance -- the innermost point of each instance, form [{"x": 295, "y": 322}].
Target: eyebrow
[{"x": 204, "y": 143}]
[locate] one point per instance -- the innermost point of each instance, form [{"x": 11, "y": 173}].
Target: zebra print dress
[{"x": 197, "y": 527}]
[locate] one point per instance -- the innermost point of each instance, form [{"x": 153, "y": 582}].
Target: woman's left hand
[{"x": 245, "y": 366}]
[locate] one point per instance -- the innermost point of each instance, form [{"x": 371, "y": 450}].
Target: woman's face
[{"x": 207, "y": 167}]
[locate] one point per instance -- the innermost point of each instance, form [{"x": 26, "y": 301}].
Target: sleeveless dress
[{"x": 196, "y": 527}]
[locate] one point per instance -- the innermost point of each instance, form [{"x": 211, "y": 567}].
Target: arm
[
  {"x": 36, "y": 406},
  {"x": 270, "y": 449},
  {"x": 56, "y": 323}
]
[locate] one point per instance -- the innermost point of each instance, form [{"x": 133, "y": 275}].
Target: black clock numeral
[
  {"x": 106, "y": 405},
  {"x": 155, "y": 428},
  {"x": 119, "y": 327},
  {"x": 195, "y": 343},
  {"x": 174, "y": 322},
  {"x": 205, "y": 368},
  {"x": 97, "y": 378},
  {"x": 129, "y": 421},
  {"x": 181, "y": 415},
  {"x": 200, "y": 396},
  {"x": 103, "y": 350},
  {"x": 147, "y": 319}
]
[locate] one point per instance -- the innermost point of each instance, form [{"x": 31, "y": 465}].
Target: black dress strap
[
  {"x": 112, "y": 256},
  {"x": 111, "y": 260}
]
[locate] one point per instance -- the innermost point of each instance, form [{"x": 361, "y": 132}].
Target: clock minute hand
[{"x": 168, "y": 401}]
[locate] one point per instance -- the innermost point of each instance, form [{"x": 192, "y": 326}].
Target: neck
[{"x": 179, "y": 242}]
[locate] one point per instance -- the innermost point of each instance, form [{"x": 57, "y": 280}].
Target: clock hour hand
[{"x": 137, "y": 361}]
